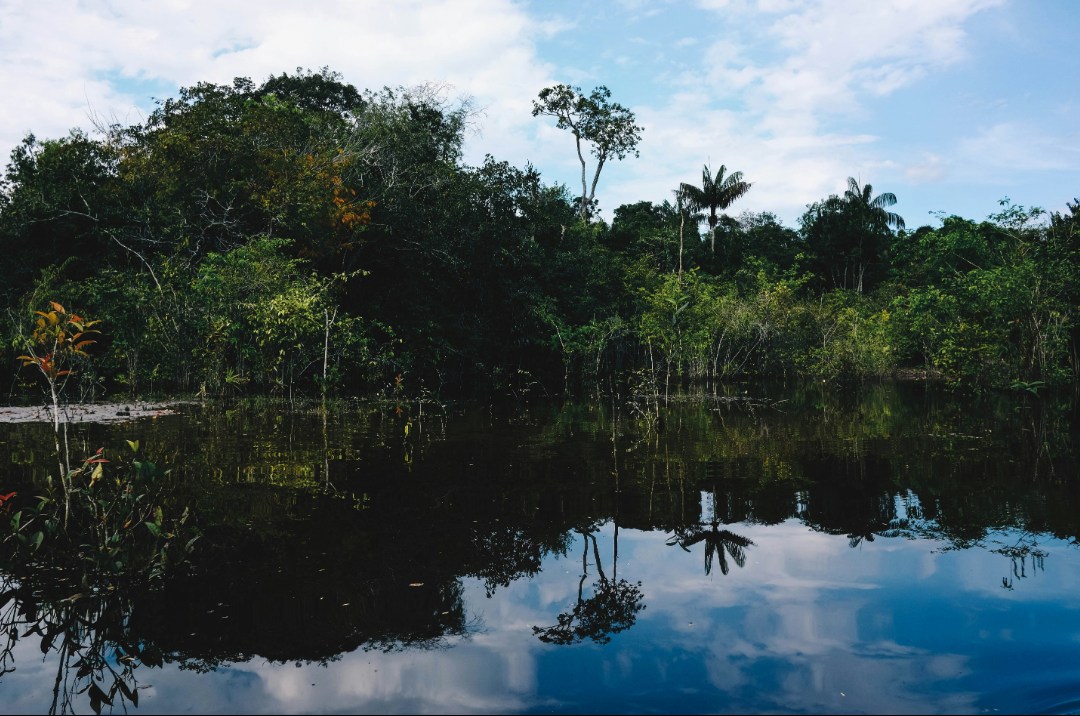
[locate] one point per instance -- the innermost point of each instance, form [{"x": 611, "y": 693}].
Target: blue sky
[{"x": 950, "y": 104}]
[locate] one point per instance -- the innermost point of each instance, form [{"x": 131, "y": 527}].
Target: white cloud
[
  {"x": 822, "y": 57},
  {"x": 777, "y": 88},
  {"x": 58, "y": 58},
  {"x": 1013, "y": 147},
  {"x": 929, "y": 169}
]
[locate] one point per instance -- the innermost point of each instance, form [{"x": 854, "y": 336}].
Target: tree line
[{"x": 304, "y": 236}]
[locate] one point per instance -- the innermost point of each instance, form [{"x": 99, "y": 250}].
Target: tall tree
[
  {"x": 849, "y": 235},
  {"x": 873, "y": 209},
  {"x": 715, "y": 193},
  {"x": 873, "y": 222},
  {"x": 607, "y": 126},
  {"x": 687, "y": 212}
]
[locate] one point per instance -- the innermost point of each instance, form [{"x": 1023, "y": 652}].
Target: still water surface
[{"x": 885, "y": 549}]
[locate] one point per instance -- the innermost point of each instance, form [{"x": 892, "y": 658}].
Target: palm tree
[
  {"x": 878, "y": 218},
  {"x": 873, "y": 220},
  {"x": 715, "y": 193},
  {"x": 688, "y": 211}
]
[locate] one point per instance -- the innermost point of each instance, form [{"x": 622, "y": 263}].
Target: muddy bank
[{"x": 89, "y": 412}]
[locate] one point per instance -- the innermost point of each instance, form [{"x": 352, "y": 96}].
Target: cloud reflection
[{"x": 808, "y": 624}]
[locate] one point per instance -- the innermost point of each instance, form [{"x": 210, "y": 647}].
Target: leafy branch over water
[
  {"x": 110, "y": 523},
  {"x": 69, "y": 564}
]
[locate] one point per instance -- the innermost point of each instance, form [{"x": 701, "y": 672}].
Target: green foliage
[
  {"x": 305, "y": 236},
  {"x": 676, "y": 320},
  {"x": 752, "y": 244},
  {"x": 122, "y": 523},
  {"x": 715, "y": 193},
  {"x": 988, "y": 303},
  {"x": 854, "y": 338},
  {"x": 607, "y": 127},
  {"x": 849, "y": 236},
  {"x": 266, "y": 319},
  {"x": 58, "y": 200}
]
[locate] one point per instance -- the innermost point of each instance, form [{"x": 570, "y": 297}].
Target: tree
[
  {"x": 715, "y": 193},
  {"x": 686, "y": 211},
  {"x": 873, "y": 221},
  {"x": 608, "y": 127},
  {"x": 58, "y": 200},
  {"x": 850, "y": 234},
  {"x": 58, "y": 340},
  {"x": 872, "y": 209}
]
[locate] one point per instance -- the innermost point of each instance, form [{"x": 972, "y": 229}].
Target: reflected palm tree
[
  {"x": 856, "y": 538},
  {"x": 717, "y": 542}
]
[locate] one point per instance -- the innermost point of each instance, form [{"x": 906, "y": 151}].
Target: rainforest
[
  {"x": 304, "y": 237},
  {"x": 305, "y": 414}
]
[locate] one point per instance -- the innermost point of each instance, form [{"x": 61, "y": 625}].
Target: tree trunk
[{"x": 682, "y": 225}]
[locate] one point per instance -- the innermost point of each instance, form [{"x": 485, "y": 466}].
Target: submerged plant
[
  {"x": 59, "y": 339},
  {"x": 114, "y": 520}
]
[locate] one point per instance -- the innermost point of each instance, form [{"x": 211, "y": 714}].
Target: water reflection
[
  {"x": 612, "y": 607},
  {"x": 716, "y": 541},
  {"x": 86, "y": 635},
  {"x": 881, "y": 533}
]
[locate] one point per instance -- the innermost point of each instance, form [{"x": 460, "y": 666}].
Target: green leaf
[
  {"x": 154, "y": 527},
  {"x": 134, "y": 445},
  {"x": 38, "y": 538}
]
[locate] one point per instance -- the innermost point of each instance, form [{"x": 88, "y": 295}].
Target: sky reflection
[
  {"x": 898, "y": 580},
  {"x": 809, "y": 624}
]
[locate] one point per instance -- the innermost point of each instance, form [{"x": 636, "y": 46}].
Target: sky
[{"x": 952, "y": 105}]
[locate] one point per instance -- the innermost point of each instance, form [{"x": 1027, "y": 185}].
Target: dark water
[{"x": 882, "y": 549}]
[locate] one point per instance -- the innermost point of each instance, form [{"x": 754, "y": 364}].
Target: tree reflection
[
  {"x": 1025, "y": 550},
  {"x": 96, "y": 656},
  {"x": 612, "y": 608},
  {"x": 717, "y": 542},
  {"x": 315, "y": 545}
]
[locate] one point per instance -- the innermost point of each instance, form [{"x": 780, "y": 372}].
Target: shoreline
[{"x": 90, "y": 412}]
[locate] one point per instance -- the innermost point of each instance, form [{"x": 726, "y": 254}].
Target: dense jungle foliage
[{"x": 304, "y": 236}]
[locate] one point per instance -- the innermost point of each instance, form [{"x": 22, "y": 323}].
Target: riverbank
[{"x": 90, "y": 412}]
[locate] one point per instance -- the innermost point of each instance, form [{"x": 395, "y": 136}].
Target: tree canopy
[
  {"x": 303, "y": 235},
  {"x": 606, "y": 126}
]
